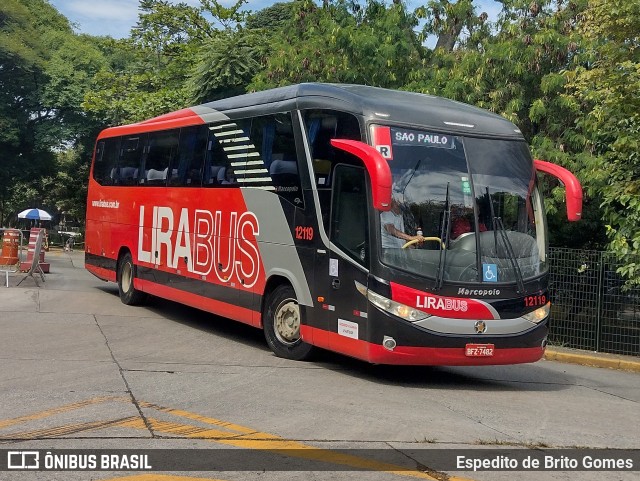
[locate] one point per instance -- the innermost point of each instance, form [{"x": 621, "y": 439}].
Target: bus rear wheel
[
  {"x": 129, "y": 295},
  {"x": 281, "y": 321}
]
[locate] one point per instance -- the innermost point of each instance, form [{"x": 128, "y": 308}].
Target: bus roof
[
  {"x": 380, "y": 104},
  {"x": 373, "y": 103}
]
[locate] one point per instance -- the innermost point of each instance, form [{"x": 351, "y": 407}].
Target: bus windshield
[{"x": 474, "y": 200}]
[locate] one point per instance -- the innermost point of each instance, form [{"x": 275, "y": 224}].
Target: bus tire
[
  {"x": 129, "y": 295},
  {"x": 281, "y": 321}
]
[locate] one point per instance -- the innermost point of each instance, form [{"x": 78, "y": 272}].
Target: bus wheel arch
[
  {"x": 281, "y": 320},
  {"x": 126, "y": 272}
]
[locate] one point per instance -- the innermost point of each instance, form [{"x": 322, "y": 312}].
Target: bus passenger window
[
  {"x": 214, "y": 162},
  {"x": 130, "y": 158},
  {"x": 106, "y": 163},
  {"x": 186, "y": 167},
  {"x": 321, "y": 127},
  {"x": 227, "y": 150},
  {"x": 163, "y": 146},
  {"x": 277, "y": 165}
]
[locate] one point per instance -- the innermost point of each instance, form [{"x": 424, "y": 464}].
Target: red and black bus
[{"x": 393, "y": 227}]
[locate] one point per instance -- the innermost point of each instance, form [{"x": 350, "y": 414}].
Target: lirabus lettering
[{"x": 202, "y": 241}]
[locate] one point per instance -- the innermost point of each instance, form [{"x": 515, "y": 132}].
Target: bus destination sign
[{"x": 421, "y": 138}]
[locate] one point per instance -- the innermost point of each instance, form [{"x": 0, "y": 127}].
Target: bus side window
[
  {"x": 226, "y": 148},
  {"x": 186, "y": 167},
  {"x": 162, "y": 147},
  {"x": 273, "y": 138},
  {"x": 101, "y": 169},
  {"x": 321, "y": 126},
  {"x": 106, "y": 161},
  {"x": 131, "y": 149}
]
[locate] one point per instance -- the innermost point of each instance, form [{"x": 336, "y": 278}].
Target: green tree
[
  {"x": 447, "y": 20},
  {"x": 345, "y": 42},
  {"x": 226, "y": 62},
  {"x": 604, "y": 87},
  {"x": 270, "y": 19},
  {"x": 175, "y": 57},
  {"x": 45, "y": 68},
  {"x": 146, "y": 74},
  {"x": 225, "y": 66}
]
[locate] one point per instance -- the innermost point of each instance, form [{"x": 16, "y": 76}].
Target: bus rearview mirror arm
[
  {"x": 377, "y": 167},
  {"x": 571, "y": 184}
]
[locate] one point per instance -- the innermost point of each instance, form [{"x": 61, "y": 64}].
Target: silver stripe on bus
[
  {"x": 224, "y": 126},
  {"x": 255, "y": 179},
  {"x": 261, "y": 187},
  {"x": 466, "y": 326},
  {"x": 248, "y": 162},
  {"x": 238, "y": 147},
  {"x": 228, "y": 132},
  {"x": 457, "y": 124},
  {"x": 251, "y": 171},
  {"x": 235, "y": 139},
  {"x": 244, "y": 154}
]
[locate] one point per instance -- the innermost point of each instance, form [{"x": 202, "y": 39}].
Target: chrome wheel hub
[{"x": 287, "y": 322}]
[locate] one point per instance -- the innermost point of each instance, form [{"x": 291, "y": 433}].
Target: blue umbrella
[{"x": 34, "y": 214}]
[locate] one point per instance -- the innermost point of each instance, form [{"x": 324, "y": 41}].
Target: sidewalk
[
  {"x": 68, "y": 273},
  {"x": 595, "y": 359},
  {"x": 62, "y": 275}
]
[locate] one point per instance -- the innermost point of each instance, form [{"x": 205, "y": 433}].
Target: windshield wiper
[
  {"x": 498, "y": 228},
  {"x": 493, "y": 221},
  {"x": 444, "y": 237}
]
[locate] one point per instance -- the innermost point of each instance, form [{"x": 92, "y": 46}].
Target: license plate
[{"x": 479, "y": 350}]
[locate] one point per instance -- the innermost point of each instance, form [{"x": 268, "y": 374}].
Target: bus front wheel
[
  {"x": 129, "y": 295},
  {"x": 281, "y": 321}
]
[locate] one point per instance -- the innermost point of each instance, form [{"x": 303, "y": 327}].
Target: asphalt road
[{"x": 80, "y": 370}]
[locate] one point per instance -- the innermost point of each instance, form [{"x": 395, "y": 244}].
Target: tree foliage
[
  {"x": 344, "y": 42},
  {"x": 45, "y": 71},
  {"x": 604, "y": 90}
]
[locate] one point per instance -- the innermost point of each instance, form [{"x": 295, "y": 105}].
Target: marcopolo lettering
[
  {"x": 204, "y": 239},
  {"x": 478, "y": 292}
]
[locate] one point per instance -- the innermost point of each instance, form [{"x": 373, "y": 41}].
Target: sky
[{"x": 116, "y": 17}]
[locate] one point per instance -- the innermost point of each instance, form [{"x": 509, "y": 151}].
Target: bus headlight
[
  {"x": 539, "y": 314},
  {"x": 400, "y": 310}
]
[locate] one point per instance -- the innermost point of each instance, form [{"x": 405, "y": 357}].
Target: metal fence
[{"x": 591, "y": 308}]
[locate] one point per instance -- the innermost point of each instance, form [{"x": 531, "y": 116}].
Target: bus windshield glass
[{"x": 473, "y": 200}]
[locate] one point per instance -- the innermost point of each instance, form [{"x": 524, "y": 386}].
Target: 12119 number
[
  {"x": 304, "y": 233},
  {"x": 531, "y": 301}
]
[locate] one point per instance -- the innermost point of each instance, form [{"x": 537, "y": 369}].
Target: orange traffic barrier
[
  {"x": 10, "y": 246},
  {"x": 31, "y": 252}
]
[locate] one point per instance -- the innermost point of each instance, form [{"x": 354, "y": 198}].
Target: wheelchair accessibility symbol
[{"x": 489, "y": 272}]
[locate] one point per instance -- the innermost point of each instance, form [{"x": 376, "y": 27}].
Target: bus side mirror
[
  {"x": 571, "y": 184},
  {"x": 377, "y": 167}
]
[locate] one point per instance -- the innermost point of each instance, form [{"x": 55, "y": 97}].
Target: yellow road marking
[
  {"x": 235, "y": 435},
  {"x": 197, "y": 417},
  {"x": 275, "y": 444},
  {"x": 65, "y": 430},
  {"x": 58, "y": 410}
]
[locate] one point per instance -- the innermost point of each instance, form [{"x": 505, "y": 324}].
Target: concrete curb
[{"x": 609, "y": 361}]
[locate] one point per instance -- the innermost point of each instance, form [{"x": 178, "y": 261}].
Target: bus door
[{"x": 338, "y": 270}]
